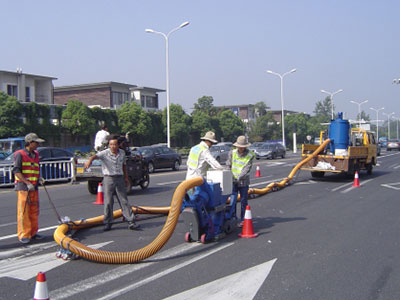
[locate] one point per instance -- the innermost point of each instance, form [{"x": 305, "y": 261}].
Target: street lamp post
[
  {"x": 388, "y": 117},
  {"x": 331, "y": 97},
  {"x": 397, "y": 127},
  {"x": 166, "y": 36},
  {"x": 359, "y": 110},
  {"x": 377, "y": 120},
  {"x": 283, "y": 117}
]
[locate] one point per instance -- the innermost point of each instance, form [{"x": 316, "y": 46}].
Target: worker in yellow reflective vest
[
  {"x": 240, "y": 161},
  {"x": 26, "y": 171},
  {"x": 200, "y": 157}
]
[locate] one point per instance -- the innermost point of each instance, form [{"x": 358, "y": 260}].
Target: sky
[{"x": 224, "y": 52}]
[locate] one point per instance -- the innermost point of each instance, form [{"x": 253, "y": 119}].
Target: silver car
[
  {"x": 393, "y": 145},
  {"x": 220, "y": 152},
  {"x": 269, "y": 150}
]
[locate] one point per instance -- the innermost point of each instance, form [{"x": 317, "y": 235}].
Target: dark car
[
  {"x": 160, "y": 157},
  {"x": 255, "y": 145},
  {"x": 48, "y": 170},
  {"x": 220, "y": 153},
  {"x": 270, "y": 150}
]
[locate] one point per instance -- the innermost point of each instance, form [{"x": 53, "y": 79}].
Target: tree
[
  {"x": 364, "y": 116},
  {"x": 106, "y": 117},
  {"x": 260, "y": 109},
  {"x": 205, "y": 104},
  {"x": 201, "y": 123},
  {"x": 77, "y": 119},
  {"x": 133, "y": 119},
  {"x": 10, "y": 112},
  {"x": 265, "y": 128},
  {"x": 300, "y": 123},
  {"x": 180, "y": 124},
  {"x": 157, "y": 131},
  {"x": 323, "y": 109},
  {"x": 231, "y": 125}
]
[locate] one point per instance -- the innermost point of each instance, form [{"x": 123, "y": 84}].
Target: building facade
[
  {"x": 27, "y": 87},
  {"x": 108, "y": 95}
]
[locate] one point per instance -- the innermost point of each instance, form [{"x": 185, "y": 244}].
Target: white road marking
[
  {"x": 396, "y": 167},
  {"x": 15, "y": 235},
  {"x": 27, "y": 267},
  {"x": 134, "y": 286},
  {"x": 8, "y": 224},
  {"x": 170, "y": 182},
  {"x": 241, "y": 285},
  {"x": 306, "y": 182},
  {"x": 71, "y": 290},
  {"x": 392, "y": 185},
  {"x": 29, "y": 249},
  {"x": 351, "y": 188},
  {"x": 341, "y": 186},
  {"x": 265, "y": 182}
]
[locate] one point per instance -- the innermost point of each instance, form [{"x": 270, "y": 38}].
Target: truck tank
[{"x": 339, "y": 135}]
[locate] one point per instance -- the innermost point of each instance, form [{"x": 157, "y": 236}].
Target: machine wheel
[
  {"x": 203, "y": 238},
  {"x": 176, "y": 165},
  {"x": 317, "y": 174},
  {"x": 188, "y": 238},
  {"x": 151, "y": 167},
  {"x": 145, "y": 182},
  {"x": 129, "y": 187},
  {"x": 92, "y": 187}
]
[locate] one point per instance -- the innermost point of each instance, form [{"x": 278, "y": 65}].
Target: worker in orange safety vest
[{"x": 26, "y": 171}]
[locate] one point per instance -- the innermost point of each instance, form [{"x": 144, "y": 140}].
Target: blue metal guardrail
[{"x": 62, "y": 170}]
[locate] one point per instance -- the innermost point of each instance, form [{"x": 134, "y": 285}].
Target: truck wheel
[
  {"x": 176, "y": 165},
  {"x": 92, "y": 187},
  {"x": 317, "y": 174},
  {"x": 151, "y": 167},
  {"x": 145, "y": 182},
  {"x": 369, "y": 169}
]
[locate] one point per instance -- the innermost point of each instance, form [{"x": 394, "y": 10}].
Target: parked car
[
  {"x": 159, "y": 157},
  {"x": 47, "y": 171},
  {"x": 229, "y": 144},
  {"x": 220, "y": 153},
  {"x": 378, "y": 149},
  {"x": 271, "y": 151},
  {"x": 3, "y": 155},
  {"x": 255, "y": 145},
  {"x": 393, "y": 145}
]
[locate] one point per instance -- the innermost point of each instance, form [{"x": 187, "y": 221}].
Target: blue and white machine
[{"x": 206, "y": 214}]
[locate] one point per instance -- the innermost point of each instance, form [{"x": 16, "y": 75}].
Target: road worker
[
  {"x": 100, "y": 140},
  {"x": 240, "y": 161},
  {"x": 26, "y": 171},
  {"x": 200, "y": 157}
]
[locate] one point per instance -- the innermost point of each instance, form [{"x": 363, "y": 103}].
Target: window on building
[
  {"x": 119, "y": 98},
  {"x": 142, "y": 101},
  {"x": 12, "y": 90},
  {"x": 151, "y": 102},
  {"x": 27, "y": 94}
]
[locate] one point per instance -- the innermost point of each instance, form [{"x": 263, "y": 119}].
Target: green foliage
[
  {"x": 231, "y": 126},
  {"x": 260, "y": 109},
  {"x": 133, "y": 119},
  {"x": 205, "y": 104},
  {"x": 10, "y": 113},
  {"x": 324, "y": 109},
  {"x": 265, "y": 128},
  {"x": 77, "y": 119},
  {"x": 201, "y": 123},
  {"x": 106, "y": 117},
  {"x": 180, "y": 125}
]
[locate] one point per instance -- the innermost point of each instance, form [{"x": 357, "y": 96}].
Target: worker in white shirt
[
  {"x": 200, "y": 157},
  {"x": 101, "y": 138}
]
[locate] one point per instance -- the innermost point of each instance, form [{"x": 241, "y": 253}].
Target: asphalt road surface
[{"x": 318, "y": 239}]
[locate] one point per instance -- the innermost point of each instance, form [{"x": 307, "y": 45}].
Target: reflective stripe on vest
[
  {"x": 30, "y": 167},
  {"x": 193, "y": 159},
  {"x": 238, "y": 163}
]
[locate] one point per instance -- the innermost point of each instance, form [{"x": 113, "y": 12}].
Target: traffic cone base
[
  {"x": 258, "y": 173},
  {"x": 247, "y": 229},
  {"x": 356, "y": 182},
  {"x": 41, "y": 291},
  {"x": 100, "y": 195}
]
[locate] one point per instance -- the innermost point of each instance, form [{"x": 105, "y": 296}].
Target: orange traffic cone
[
  {"x": 247, "y": 230},
  {"x": 41, "y": 291},
  {"x": 356, "y": 182},
  {"x": 100, "y": 195},
  {"x": 258, "y": 173}
]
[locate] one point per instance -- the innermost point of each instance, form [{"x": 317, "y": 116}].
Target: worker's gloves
[
  {"x": 41, "y": 181},
  {"x": 30, "y": 187}
]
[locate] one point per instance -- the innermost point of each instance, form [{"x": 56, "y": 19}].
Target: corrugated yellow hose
[
  {"x": 173, "y": 214},
  {"x": 133, "y": 256}
]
